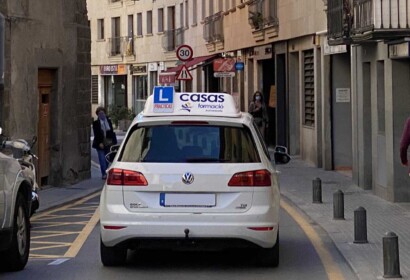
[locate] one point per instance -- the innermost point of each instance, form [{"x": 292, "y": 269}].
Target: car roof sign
[{"x": 166, "y": 102}]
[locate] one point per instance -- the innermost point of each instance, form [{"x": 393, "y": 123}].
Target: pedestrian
[
  {"x": 257, "y": 108},
  {"x": 104, "y": 138},
  {"x": 404, "y": 144}
]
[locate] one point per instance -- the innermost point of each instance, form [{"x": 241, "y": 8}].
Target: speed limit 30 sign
[{"x": 184, "y": 52}]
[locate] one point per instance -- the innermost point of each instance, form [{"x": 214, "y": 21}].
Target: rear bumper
[{"x": 211, "y": 227}]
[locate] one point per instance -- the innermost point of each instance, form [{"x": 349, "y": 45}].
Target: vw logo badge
[{"x": 188, "y": 178}]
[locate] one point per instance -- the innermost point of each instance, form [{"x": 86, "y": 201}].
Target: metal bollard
[
  {"x": 391, "y": 261},
  {"x": 338, "y": 205},
  {"x": 317, "y": 190},
  {"x": 360, "y": 225}
]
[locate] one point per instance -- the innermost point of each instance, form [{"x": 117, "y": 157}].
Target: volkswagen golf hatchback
[{"x": 191, "y": 173}]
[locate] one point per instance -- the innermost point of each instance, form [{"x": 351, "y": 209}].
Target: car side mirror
[
  {"x": 110, "y": 156},
  {"x": 114, "y": 148},
  {"x": 281, "y": 155}
]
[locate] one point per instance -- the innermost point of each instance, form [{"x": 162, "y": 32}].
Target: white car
[
  {"x": 15, "y": 203},
  {"x": 191, "y": 173}
]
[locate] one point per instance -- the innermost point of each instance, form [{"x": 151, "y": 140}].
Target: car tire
[
  {"x": 112, "y": 256},
  {"x": 269, "y": 257},
  {"x": 16, "y": 256}
]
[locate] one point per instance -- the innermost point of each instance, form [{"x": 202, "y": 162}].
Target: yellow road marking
[
  {"x": 78, "y": 202},
  {"x": 54, "y": 216},
  {"x": 50, "y": 247},
  {"x": 54, "y": 234},
  {"x": 82, "y": 237},
  {"x": 332, "y": 270},
  {"x": 39, "y": 256}
]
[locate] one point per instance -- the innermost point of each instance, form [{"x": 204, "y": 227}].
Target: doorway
[{"x": 45, "y": 89}]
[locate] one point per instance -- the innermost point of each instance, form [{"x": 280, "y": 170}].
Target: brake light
[
  {"x": 117, "y": 176},
  {"x": 114, "y": 227},
  {"x": 256, "y": 178},
  {"x": 261, "y": 228}
]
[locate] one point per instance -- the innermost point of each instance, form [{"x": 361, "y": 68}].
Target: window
[
  {"x": 203, "y": 14},
  {"x": 181, "y": 14},
  {"x": 211, "y": 7},
  {"x": 161, "y": 20},
  {"x": 130, "y": 37},
  {"x": 100, "y": 29},
  {"x": 186, "y": 14},
  {"x": 190, "y": 143},
  {"x": 194, "y": 11},
  {"x": 116, "y": 36},
  {"x": 94, "y": 89},
  {"x": 309, "y": 88},
  {"x": 149, "y": 22},
  {"x": 139, "y": 24}
]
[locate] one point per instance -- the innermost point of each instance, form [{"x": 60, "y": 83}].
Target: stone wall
[{"x": 49, "y": 34}]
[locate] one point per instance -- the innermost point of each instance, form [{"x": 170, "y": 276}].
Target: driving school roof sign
[{"x": 189, "y": 103}]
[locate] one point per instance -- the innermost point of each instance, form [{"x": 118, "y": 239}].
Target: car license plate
[{"x": 187, "y": 200}]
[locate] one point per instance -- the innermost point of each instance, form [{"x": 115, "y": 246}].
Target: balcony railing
[
  {"x": 338, "y": 21},
  {"x": 115, "y": 46},
  {"x": 213, "y": 28},
  {"x": 172, "y": 39},
  {"x": 367, "y": 20},
  {"x": 389, "y": 16},
  {"x": 263, "y": 13}
]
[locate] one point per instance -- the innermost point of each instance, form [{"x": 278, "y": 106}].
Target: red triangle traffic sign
[{"x": 184, "y": 74}]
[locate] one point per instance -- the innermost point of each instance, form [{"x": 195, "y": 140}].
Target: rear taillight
[
  {"x": 124, "y": 177},
  {"x": 256, "y": 178}
]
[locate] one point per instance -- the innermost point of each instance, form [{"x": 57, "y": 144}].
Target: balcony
[
  {"x": 173, "y": 39},
  {"x": 338, "y": 22},
  {"x": 380, "y": 19},
  {"x": 367, "y": 20},
  {"x": 115, "y": 46},
  {"x": 213, "y": 28},
  {"x": 263, "y": 14}
]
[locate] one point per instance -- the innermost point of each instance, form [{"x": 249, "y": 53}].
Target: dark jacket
[
  {"x": 99, "y": 134},
  {"x": 405, "y": 142}
]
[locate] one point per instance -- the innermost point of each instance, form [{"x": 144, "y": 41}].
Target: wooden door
[{"x": 45, "y": 82}]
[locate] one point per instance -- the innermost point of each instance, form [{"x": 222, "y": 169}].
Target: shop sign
[
  {"x": 399, "y": 50},
  {"x": 166, "y": 79},
  {"x": 328, "y": 50},
  {"x": 138, "y": 69},
  {"x": 261, "y": 52},
  {"x": 224, "y": 65},
  {"x": 115, "y": 69},
  {"x": 153, "y": 66}
]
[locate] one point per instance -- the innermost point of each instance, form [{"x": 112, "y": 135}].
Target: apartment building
[
  {"x": 319, "y": 64},
  {"x": 45, "y": 84}
]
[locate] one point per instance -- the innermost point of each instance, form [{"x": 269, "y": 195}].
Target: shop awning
[{"x": 191, "y": 63}]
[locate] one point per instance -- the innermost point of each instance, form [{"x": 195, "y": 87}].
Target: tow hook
[{"x": 186, "y": 231}]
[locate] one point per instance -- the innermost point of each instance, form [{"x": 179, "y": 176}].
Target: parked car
[
  {"x": 192, "y": 173},
  {"x": 15, "y": 205}
]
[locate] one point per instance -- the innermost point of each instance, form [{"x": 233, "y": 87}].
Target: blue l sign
[
  {"x": 163, "y": 99},
  {"x": 163, "y": 95}
]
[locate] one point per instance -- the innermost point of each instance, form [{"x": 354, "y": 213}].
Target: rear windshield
[{"x": 190, "y": 143}]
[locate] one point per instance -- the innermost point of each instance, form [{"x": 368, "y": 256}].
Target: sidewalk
[
  {"x": 366, "y": 259},
  {"x": 296, "y": 178}
]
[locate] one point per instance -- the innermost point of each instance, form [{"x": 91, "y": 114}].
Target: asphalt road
[{"x": 71, "y": 251}]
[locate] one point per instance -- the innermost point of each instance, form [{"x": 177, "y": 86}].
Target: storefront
[
  {"x": 140, "y": 86},
  {"x": 114, "y": 85}
]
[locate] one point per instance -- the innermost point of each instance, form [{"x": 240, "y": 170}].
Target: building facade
[
  {"x": 47, "y": 84},
  {"x": 334, "y": 79}
]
